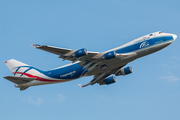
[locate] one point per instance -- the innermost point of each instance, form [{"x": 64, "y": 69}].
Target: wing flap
[
  {"x": 19, "y": 80},
  {"x": 126, "y": 55}
]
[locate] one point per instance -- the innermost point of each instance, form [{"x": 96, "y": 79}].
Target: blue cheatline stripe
[
  {"x": 70, "y": 72},
  {"x": 16, "y": 70},
  {"x": 26, "y": 71},
  {"x": 151, "y": 42}
]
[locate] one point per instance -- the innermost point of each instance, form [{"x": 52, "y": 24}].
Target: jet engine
[
  {"x": 124, "y": 71},
  {"x": 109, "y": 55},
  {"x": 109, "y": 80},
  {"x": 80, "y": 53}
]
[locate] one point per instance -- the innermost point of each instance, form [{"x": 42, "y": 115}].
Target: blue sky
[{"x": 151, "y": 92}]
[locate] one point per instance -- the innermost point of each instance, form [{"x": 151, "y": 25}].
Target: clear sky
[{"x": 151, "y": 92}]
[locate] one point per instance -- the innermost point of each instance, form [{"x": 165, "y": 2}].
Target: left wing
[{"x": 68, "y": 54}]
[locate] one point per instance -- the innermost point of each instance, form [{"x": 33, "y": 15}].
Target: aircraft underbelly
[
  {"x": 152, "y": 49},
  {"x": 117, "y": 62}
]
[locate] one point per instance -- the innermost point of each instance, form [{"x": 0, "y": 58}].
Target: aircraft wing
[
  {"x": 51, "y": 49},
  {"x": 97, "y": 79},
  {"x": 66, "y": 54},
  {"x": 100, "y": 78}
]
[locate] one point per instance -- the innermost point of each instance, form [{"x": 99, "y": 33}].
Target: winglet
[
  {"x": 35, "y": 45},
  {"x": 80, "y": 85}
]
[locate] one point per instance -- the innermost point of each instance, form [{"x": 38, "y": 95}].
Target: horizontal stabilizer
[
  {"x": 19, "y": 80},
  {"x": 23, "y": 88}
]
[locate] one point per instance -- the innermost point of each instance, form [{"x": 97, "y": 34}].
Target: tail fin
[{"x": 15, "y": 66}]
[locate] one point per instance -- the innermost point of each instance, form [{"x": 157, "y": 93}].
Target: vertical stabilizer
[
  {"x": 18, "y": 69},
  {"x": 14, "y": 65}
]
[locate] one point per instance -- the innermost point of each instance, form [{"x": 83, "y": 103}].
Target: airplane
[{"x": 103, "y": 66}]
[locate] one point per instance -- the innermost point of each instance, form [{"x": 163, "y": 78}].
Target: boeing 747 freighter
[{"x": 103, "y": 66}]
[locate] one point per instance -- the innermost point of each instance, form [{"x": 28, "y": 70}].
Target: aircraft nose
[{"x": 174, "y": 36}]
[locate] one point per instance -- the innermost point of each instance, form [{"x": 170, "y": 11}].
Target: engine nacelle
[
  {"x": 124, "y": 71},
  {"x": 110, "y": 80},
  {"x": 80, "y": 52},
  {"x": 110, "y": 55}
]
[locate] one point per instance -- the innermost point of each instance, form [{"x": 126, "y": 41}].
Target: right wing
[
  {"x": 100, "y": 78},
  {"x": 97, "y": 79}
]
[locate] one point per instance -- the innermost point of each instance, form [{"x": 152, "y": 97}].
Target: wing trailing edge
[{"x": 67, "y": 54}]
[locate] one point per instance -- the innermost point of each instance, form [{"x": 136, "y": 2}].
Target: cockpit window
[
  {"x": 160, "y": 32},
  {"x": 150, "y": 34}
]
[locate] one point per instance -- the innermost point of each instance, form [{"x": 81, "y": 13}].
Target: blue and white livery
[{"x": 103, "y": 66}]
